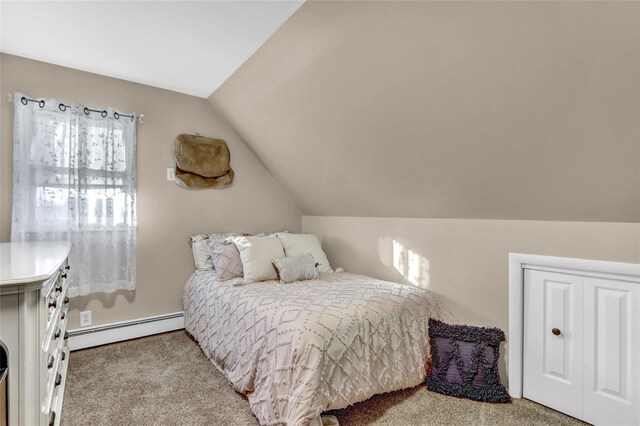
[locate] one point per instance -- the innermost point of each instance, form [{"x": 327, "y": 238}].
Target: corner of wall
[{"x": 233, "y": 128}]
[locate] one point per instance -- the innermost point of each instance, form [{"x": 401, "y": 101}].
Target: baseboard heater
[{"x": 88, "y": 337}]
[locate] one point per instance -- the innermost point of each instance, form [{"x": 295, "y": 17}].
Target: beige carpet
[{"x": 166, "y": 380}]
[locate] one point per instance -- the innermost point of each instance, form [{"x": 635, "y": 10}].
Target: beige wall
[
  {"x": 496, "y": 110},
  {"x": 464, "y": 261},
  {"x": 167, "y": 215}
]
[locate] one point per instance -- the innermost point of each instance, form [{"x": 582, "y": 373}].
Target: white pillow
[
  {"x": 201, "y": 255},
  {"x": 257, "y": 255},
  {"x": 301, "y": 244}
]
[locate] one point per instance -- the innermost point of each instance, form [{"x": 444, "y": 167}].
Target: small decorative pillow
[
  {"x": 298, "y": 268},
  {"x": 301, "y": 244},
  {"x": 256, "y": 254},
  {"x": 465, "y": 362},
  {"x": 226, "y": 259}
]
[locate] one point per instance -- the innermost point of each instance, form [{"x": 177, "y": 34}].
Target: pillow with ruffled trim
[{"x": 465, "y": 362}]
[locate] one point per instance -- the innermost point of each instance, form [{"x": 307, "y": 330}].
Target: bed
[{"x": 296, "y": 350}]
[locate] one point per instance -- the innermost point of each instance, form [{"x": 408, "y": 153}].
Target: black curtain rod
[{"x": 63, "y": 107}]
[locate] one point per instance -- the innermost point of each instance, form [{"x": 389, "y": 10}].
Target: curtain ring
[
  {"x": 41, "y": 104},
  {"x": 86, "y": 111},
  {"x": 24, "y": 100},
  {"x": 104, "y": 113},
  {"x": 62, "y": 107},
  {"x": 116, "y": 115}
]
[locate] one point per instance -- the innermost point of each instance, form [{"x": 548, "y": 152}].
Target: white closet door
[
  {"x": 553, "y": 340},
  {"x": 612, "y": 352}
]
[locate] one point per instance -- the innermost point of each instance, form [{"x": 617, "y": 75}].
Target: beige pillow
[
  {"x": 301, "y": 244},
  {"x": 226, "y": 260},
  {"x": 256, "y": 254},
  {"x": 298, "y": 268}
]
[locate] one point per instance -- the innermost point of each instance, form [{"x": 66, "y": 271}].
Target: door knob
[{"x": 556, "y": 331}]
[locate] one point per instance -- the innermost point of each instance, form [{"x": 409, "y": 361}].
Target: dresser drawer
[
  {"x": 52, "y": 403},
  {"x": 51, "y": 292},
  {"x": 56, "y": 325},
  {"x": 54, "y": 357},
  {"x": 55, "y": 293}
]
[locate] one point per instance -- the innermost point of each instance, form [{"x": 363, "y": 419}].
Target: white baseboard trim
[{"x": 88, "y": 337}]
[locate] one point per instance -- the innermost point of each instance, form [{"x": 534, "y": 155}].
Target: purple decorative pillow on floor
[{"x": 465, "y": 362}]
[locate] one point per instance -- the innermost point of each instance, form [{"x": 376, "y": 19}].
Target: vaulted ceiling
[
  {"x": 512, "y": 110},
  {"x": 184, "y": 46},
  {"x": 509, "y": 110}
]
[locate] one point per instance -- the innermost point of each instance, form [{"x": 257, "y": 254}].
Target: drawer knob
[
  {"x": 66, "y": 300},
  {"x": 64, "y": 275},
  {"x": 63, "y": 355},
  {"x": 66, "y": 335},
  {"x": 52, "y": 418},
  {"x": 53, "y": 304},
  {"x": 556, "y": 331},
  {"x": 58, "y": 289},
  {"x": 50, "y": 360},
  {"x": 66, "y": 268},
  {"x": 58, "y": 379},
  {"x": 56, "y": 333}
]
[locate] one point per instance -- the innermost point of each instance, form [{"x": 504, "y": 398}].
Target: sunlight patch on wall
[{"x": 411, "y": 265}]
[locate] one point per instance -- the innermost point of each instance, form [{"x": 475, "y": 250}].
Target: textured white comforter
[{"x": 299, "y": 349}]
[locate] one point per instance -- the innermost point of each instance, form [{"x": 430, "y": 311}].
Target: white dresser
[{"x": 33, "y": 337}]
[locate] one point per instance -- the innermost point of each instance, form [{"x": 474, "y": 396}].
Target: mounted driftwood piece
[{"x": 202, "y": 163}]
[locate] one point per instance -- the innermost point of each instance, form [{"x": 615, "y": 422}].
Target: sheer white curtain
[{"x": 74, "y": 179}]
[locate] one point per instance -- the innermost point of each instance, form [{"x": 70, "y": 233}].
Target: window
[{"x": 74, "y": 179}]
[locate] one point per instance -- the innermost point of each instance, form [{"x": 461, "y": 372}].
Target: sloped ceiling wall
[{"x": 505, "y": 110}]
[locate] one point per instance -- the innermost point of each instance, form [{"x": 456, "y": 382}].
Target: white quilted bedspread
[{"x": 299, "y": 349}]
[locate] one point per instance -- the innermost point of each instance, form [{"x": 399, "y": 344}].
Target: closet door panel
[
  {"x": 612, "y": 352},
  {"x": 553, "y": 340}
]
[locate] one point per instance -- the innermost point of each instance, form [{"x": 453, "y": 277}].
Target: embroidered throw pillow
[
  {"x": 465, "y": 362},
  {"x": 297, "y": 268},
  {"x": 226, "y": 259}
]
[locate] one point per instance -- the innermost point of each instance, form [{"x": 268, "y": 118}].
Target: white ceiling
[{"x": 186, "y": 46}]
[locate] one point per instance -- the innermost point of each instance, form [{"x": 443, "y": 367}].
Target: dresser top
[{"x": 23, "y": 263}]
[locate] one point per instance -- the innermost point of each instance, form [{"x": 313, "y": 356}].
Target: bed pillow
[
  {"x": 301, "y": 244},
  {"x": 201, "y": 251},
  {"x": 226, "y": 259},
  {"x": 200, "y": 248},
  {"x": 297, "y": 268},
  {"x": 465, "y": 362},
  {"x": 256, "y": 254},
  {"x": 201, "y": 255}
]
